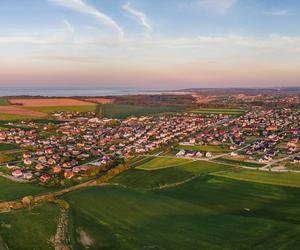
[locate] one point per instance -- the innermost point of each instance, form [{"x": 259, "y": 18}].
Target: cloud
[
  {"x": 69, "y": 26},
  {"x": 277, "y": 13},
  {"x": 83, "y": 7},
  {"x": 26, "y": 40},
  {"x": 217, "y": 6},
  {"x": 139, "y": 16}
]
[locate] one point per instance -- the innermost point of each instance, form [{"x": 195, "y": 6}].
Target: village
[{"x": 78, "y": 146}]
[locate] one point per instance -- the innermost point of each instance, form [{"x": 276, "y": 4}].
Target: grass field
[
  {"x": 123, "y": 111},
  {"x": 24, "y": 229},
  {"x": 207, "y": 213},
  {"x": 3, "y": 102},
  {"x": 50, "y": 109},
  {"x": 160, "y": 163},
  {"x": 208, "y": 148},
  {"x": 5, "y": 147},
  {"x": 12, "y": 117},
  {"x": 156, "y": 178},
  {"x": 216, "y": 111},
  {"x": 266, "y": 177},
  {"x": 240, "y": 163},
  {"x": 11, "y": 190}
]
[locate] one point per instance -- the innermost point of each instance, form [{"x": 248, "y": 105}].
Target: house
[
  {"x": 44, "y": 178},
  {"x": 56, "y": 170},
  {"x": 208, "y": 155},
  {"x": 69, "y": 174},
  {"x": 28, "y": 176},
  {"x": 39, "y": 167},
  {"x": 17, "y": 173}
]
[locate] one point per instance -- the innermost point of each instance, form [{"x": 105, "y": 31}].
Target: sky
[{"x": 166, "y": 44}]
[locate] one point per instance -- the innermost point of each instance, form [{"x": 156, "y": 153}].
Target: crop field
[
  {"x": 156, "y": 178},
  {"x": 48, "y": 102},
  {"x": 240, "y": 163},
  {"x": 3, "y": 102},
  {"x": 99, "y": 100},
  {"x": 13, "y": 113},
  {"x": 205, "y": 148},
  {"x": 123, "y": 111},
  {"x": 50, "y": 109},
  {"x": 216, "y": 111},
  {"x": 5, "y": 147},
  {"x": 162, "y": 162},
  {"x": 24, "y": 229},
  {"x": 266, "y": 177},
  {"x": 11, "y": 190},
  {"x": 208, "y": 212}
]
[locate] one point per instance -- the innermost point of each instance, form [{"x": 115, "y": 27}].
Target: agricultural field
[
  {"x": 50, "y": 109},
  {"x": 123, "y": 111},
  {"x": 48, "y": 102},
  {"x": 205, "y": 148},
  {"x": 208, "y": 212},
  {"x": 6, "y": 147},
  {"x": 239, "y": 162},
  {"x": 29, "y": 229},
  {"x": 16, "y": 113},
  {"x": 214, "y": 111},
  {"x": 3, "y": 101},
  {"x": 144, "y": 179},
  {"x": 288, "y": 179},
  {"x": 162, "y": 162},
  {"x": 12, "y": 190}
]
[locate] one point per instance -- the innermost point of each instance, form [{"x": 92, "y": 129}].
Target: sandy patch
[
  {"x": 19, "y": 111},
  {"x": 204, "y": 99},
  {"x": 85, "y": 239},
  {"x": 49, "y": 102}
]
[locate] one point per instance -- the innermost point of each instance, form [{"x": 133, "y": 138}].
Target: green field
[
  {"x": 205, "y": 148},
  {"x": 51, "y": 109},
  {"x": 11, "y": 117},
  {"x": 24, "y": 229},
  {"x": 240, "y": 163},
  {"x": 3, "y": 102},
  {"x": 207, "y": 213},
  {"x": 123, "y": 111},
  {"x": 11, "y": 190},
  {"x": 156, "y": 178},
  {"x": 162, "y": 162},
  {"x": 216, "y": 111},
  {"x": 266, "y": 177},
  {"x": 5, "y": 147}
]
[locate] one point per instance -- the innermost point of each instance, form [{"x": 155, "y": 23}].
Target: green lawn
[
  {"x": 11, "y": 190},
  {"x": 207, "y": 213},
  {"x": 90, "y": 108},
  {"x": 162, "y": 162},
  {"x": 216, "y": 111},
  {"x": 123, "y": 111},
  {"x": 24, "y": 229},
  {"x": 266, "y": 177},
  {"x": 205, "y": 148}
]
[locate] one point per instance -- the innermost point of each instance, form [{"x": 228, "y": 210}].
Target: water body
[{"x": 75, "y": 92}]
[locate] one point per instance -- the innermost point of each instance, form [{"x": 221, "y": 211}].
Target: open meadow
[
  {"x": 11, "y": 190},
  {"x": 29, "y": 229},
  {"x": 208, "y": 212}
]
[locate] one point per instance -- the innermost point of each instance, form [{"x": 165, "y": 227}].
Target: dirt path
[{"x": 62, "y": 237}]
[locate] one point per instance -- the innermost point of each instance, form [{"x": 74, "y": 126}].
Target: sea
[{"x": 62, "y": 92}]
